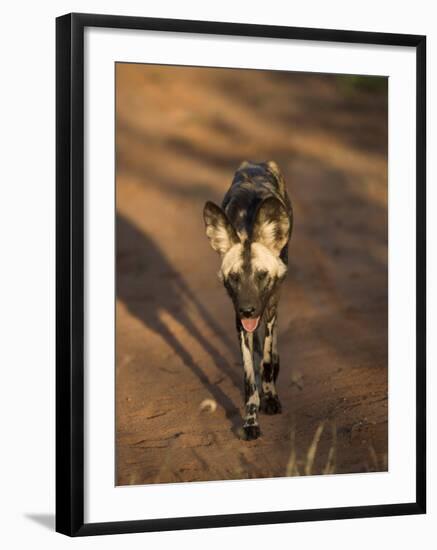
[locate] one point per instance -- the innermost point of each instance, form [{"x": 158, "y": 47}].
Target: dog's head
[{"x": 251, "y": 267}]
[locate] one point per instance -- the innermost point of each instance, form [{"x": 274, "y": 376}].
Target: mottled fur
[{"x": 251, "y": 231}]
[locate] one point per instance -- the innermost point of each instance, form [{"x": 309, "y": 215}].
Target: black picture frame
[{"x": 70, "y": 273}]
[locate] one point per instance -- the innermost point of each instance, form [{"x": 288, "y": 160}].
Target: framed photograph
[{"x": 240, "y": 274}]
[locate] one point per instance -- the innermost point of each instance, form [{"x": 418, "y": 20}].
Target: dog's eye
[{"x": 261, "y": 276}]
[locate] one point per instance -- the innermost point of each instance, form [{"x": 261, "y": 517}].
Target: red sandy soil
[{"x": 181, "y": 134}]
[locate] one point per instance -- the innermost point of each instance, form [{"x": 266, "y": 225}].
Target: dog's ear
[
  {"x": 219, "y": 229},
  {"x": 272, "y": 225}
]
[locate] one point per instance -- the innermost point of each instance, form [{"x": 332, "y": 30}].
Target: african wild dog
[{"x": 251, "y": 232}]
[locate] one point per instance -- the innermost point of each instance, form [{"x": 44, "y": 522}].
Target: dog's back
[{"x": 252, "y": 183}]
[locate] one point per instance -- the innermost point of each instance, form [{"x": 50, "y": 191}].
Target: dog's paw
[
  {"x": 271, "y": 405},
  {"x": 251, "y": 432}
]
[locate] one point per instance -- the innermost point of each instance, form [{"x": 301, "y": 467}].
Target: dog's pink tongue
[{"x": 250, "y": 324}]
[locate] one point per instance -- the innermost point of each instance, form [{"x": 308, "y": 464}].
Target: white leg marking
[
  {"x": 247, "y": 353},
  {"x": 253, "y": 400},
  {"x": 269, "y": 351}
]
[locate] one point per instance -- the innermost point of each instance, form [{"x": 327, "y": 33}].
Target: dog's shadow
[{"x": 149, "y": 287}]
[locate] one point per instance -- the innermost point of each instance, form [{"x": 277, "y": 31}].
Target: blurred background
[{"x": 181, "y": 133}]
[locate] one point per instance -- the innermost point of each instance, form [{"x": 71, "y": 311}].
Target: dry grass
[{"x": 305, "y": 465}]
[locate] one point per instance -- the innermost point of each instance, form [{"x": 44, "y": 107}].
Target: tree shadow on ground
[{"x": 141, "y": 264}]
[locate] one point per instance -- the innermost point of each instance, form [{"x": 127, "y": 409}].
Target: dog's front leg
[
  {"x": 270, "y": 403},
  {"x": 250, "y": 427}
]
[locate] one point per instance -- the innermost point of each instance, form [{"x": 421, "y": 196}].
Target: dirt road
[{"x": 181, "y": 133}]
